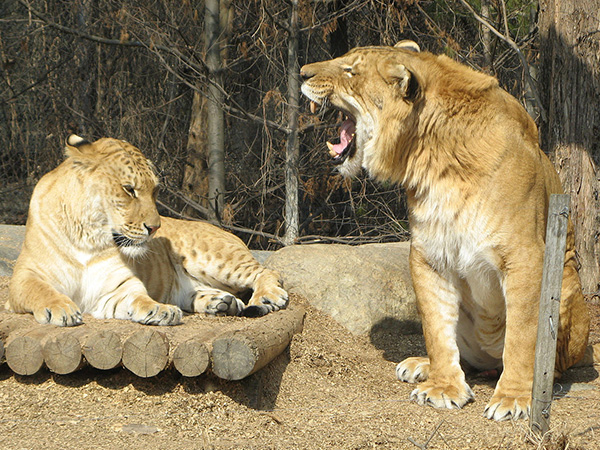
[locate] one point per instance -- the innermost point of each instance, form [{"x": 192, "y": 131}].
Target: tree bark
[
  {"x": 486, "y": 34},
  {"x": 292, "y": 149},
  {"x": 215, "y": 116},
  {"x": 570, "y": 80},
  {"x": 195, "y": 176}
]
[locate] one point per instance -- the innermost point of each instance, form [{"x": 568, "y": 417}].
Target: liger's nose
[
  {"x": 306, "y": 73},
  {"x": 152, "y": 229}
]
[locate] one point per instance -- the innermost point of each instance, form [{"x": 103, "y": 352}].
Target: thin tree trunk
[
  {"x": 215, "y": 116},
  {"x": 86, "y": 84},
  {"x": 292, "y": 149},
  {"x": 195, "y": 176},
  {"x": 486, "y": 34},
  {"x": 570, "y": 75}
]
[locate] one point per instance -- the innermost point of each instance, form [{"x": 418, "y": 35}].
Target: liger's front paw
[
  {"x": 505, "y": 408},
  {"x": 270, "y": 300},
  {"x": 158, "y": 314},
  {"x": 413, "y": 370},
  {"x": 450, "y": 396},
  {"x": 63, "y": 314}
]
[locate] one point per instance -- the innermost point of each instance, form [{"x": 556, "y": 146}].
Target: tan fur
[
  {"x": 478, "y": 188},
  {"x": 72, "y": 264}
]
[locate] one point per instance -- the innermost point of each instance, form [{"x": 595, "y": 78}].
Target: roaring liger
[{"x": 478, "y": 187}]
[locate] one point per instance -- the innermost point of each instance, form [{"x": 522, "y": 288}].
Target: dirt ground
[{"x": 329, "y": 390}]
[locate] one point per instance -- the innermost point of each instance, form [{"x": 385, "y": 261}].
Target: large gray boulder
[
  {"x": 11, "y": 241},
  {"x": 362, "y": 287}
]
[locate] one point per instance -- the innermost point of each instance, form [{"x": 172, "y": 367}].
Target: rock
[
  {"x": 362, "y": 287},
  {"x": 11, "y": 241}
]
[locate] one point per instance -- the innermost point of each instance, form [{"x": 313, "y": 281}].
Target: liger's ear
[
  {"x": 76, "y": 145},
  {"x": 75, "y": 141},
  {"x": 81, "y": 151},
  {"x": 402, "y": 78},
  {"x": 408, "y": 45}
]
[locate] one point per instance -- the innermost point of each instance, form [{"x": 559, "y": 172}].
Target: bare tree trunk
[
  {"x": 292, "y": 151},
  {"x": 215, "y": 116},
  {"x": 86, "y": 83},
  {"x": 570, "y": 75},
  {"x": 195, "y": 176},
  {"x": 486, "y": 34}
]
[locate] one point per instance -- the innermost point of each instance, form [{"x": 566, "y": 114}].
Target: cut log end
[
  {"x": 191, "y": 358},
  {"x": 24, "y": 355},
  {"x": 237, "y": 354},
  {"x": 103, "y": 350},
  {"x": 146, "y": 352},
  {"x": 234, "y": 357},
  {"x": 62, "y": 354}
]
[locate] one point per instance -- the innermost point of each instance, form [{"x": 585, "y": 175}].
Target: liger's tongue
[{"x": 346, "y": 134}]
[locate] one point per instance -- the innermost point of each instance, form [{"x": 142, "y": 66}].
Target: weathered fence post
[{"x": 548, "y": 321}]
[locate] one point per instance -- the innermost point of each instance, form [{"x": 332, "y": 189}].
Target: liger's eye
[{"x": 130, "y": 190}]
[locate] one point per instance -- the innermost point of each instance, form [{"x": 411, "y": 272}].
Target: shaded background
[{"x": 136, "y": 70}]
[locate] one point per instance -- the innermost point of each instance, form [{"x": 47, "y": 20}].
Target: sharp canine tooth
[
  {"x": 313, "y": 107},
  {"x": 329, "y": 145}
]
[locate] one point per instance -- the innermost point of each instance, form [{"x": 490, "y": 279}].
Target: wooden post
[{"x": 548, "y": 321}]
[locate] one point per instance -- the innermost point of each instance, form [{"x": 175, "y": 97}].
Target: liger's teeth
[
  {"x": 332, "y": 152},
  {"x": 313, "y": 107}
]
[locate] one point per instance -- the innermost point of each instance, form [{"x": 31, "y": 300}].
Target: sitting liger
[
  {"x": 477, "y": 187},
  {"x": 96, "y": 244}
]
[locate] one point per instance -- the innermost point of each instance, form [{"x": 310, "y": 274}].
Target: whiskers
[
  {"x": 130, "y": 247},
  {"x": 122, "y": 241}
]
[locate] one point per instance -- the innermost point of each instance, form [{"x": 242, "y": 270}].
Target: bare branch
[
  {"x": 40, "y": 80},
  {"x": 200, "y": 70},
  {"x": 280, "y": 24},
  {"x": 341, "y": 13},
  {"x": 100, "y": 40},
  {"x": 262, "y": 234},
  {"x": 516, "y": 48}
]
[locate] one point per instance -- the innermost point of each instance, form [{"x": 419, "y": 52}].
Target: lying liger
[
  {"x": 478, "y": 188},
  {"x": 95, "y": 244}
]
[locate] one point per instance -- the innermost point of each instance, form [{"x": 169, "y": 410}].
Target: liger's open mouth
[{"x": 343, "y": 146}]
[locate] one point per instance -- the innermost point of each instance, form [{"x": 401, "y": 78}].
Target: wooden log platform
[{"x": 231, "y": 347}]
